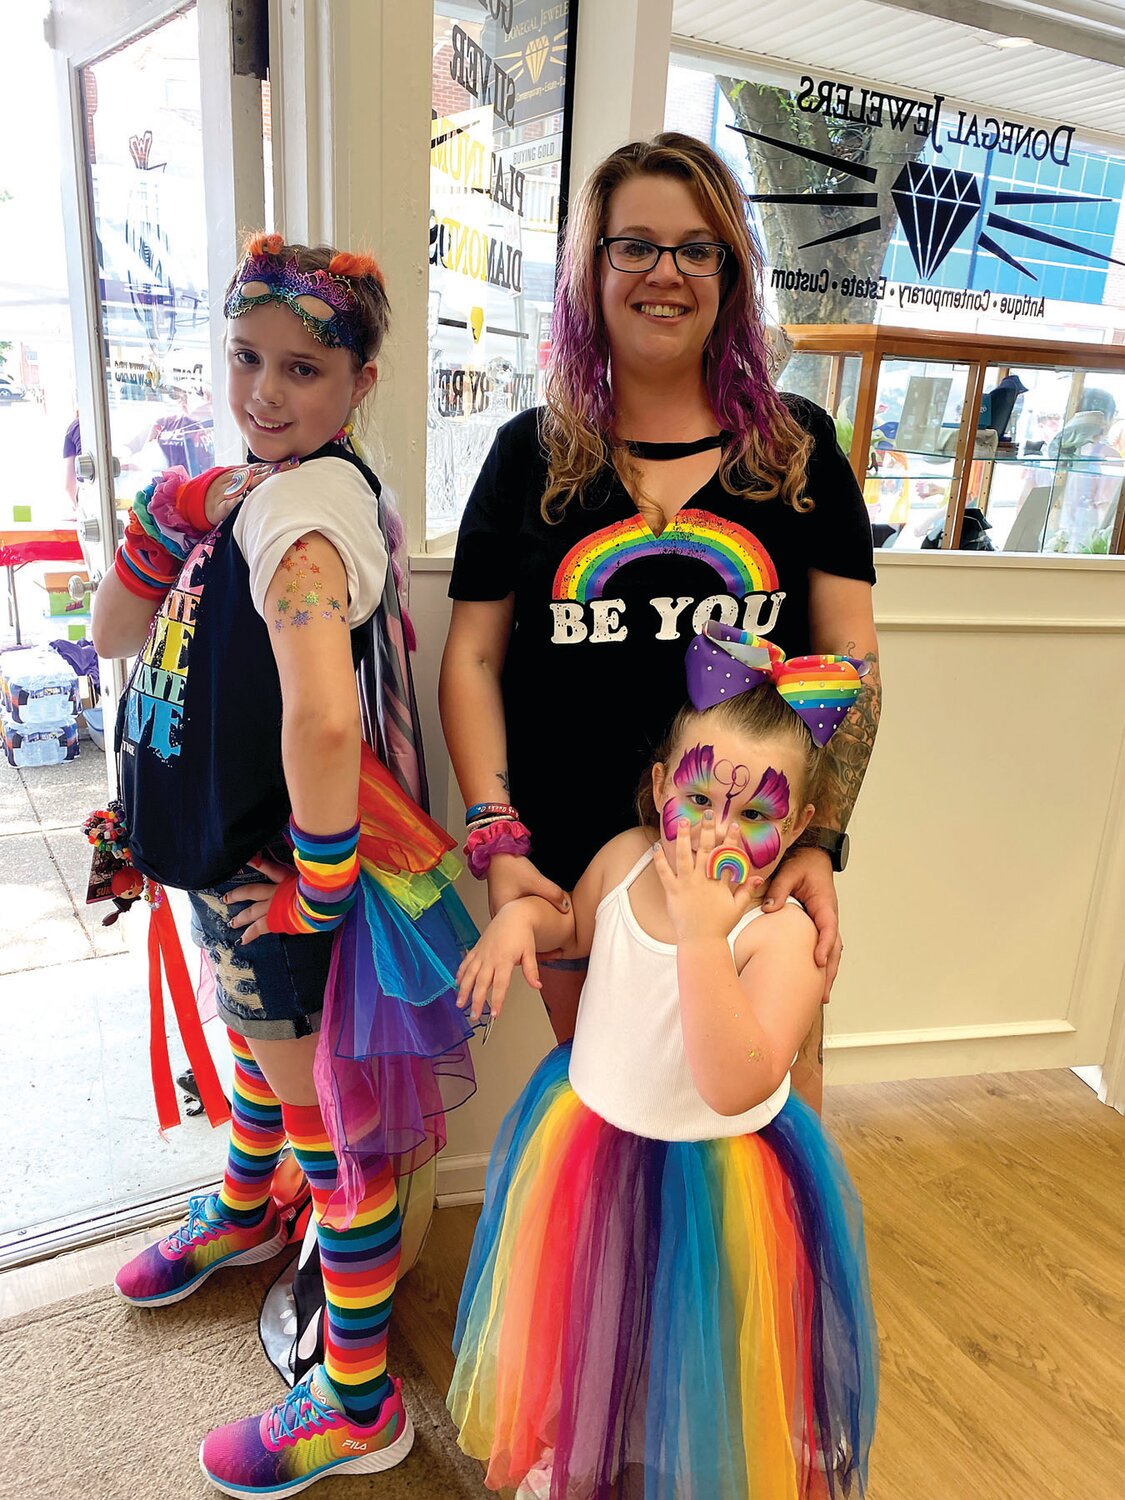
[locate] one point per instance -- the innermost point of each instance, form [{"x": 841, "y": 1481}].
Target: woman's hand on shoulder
[
  {"x": 507, "y": 943},
  {"x": 511, "y": 876},
  {"x": 807, "y": 875},
  {"x": 701, "y": 907}
]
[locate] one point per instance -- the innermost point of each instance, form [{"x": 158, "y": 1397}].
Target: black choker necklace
[{"x": 662, "y": 452}]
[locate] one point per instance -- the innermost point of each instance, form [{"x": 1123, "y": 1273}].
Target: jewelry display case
[{"x": 974, "y": 441}]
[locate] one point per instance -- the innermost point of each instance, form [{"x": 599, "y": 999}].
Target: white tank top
[{"x": 628, "y": 1064}]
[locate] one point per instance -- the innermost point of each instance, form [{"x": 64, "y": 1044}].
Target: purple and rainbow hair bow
[{"x": 723, "y": 662}]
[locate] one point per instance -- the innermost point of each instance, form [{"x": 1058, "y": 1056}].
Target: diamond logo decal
[{"x": 935, "y": 205}]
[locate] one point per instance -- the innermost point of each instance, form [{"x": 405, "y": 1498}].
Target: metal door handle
[{"x": 86, "y": 470}]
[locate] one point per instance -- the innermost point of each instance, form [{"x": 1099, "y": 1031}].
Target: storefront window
[
  {"x": 145, "y": 158},
  {"x": 497, "y": 176},
  {"x": 924, "y": 257}
]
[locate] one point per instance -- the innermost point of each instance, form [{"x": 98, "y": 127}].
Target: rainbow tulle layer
[
  {"x": 393, "y": 1052},
  {"x": 689, "y": 1321}
]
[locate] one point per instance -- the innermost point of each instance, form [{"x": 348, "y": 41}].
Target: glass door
[{"x": 152, "y": 202}]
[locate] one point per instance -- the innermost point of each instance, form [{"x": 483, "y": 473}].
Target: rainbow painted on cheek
[{"x": 770, "y": 798}]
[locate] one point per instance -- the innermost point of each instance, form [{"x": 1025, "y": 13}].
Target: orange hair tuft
[
  {"x": 264, "y": 244},
  {"x": 345, "y": 263}
]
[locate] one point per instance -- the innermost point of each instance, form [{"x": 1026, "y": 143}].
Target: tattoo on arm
[
  {"x": 304, "y": 597},
  {"x": 847, "y": 754},
  {"x": 502, "y": 778}
]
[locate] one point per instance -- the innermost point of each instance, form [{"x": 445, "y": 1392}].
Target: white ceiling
[{"x": 919, "y": 53}]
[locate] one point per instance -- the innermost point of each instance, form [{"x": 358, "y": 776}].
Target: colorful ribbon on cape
[{"x": 724, "y": 662}]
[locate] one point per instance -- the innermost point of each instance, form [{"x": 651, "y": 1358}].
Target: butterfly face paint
[
  {"x": 758, "y": 820},
  {"x": 700, "y": 780},
  {"x": 691, "y": 779}
]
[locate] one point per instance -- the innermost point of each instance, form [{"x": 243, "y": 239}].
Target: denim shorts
[{"x": 272, "y": 988}]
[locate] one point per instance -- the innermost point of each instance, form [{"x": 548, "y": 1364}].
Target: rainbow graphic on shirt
[{"x": 736, "y": 555}]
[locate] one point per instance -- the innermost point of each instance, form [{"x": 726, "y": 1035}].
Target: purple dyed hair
[{"x": 770, "y": 450}]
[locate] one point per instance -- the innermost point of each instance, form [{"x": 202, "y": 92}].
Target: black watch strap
[{"x": 834, "y": 843}]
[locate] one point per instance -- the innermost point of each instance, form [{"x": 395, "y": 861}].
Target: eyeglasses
[{"x": 699, "y": 258}]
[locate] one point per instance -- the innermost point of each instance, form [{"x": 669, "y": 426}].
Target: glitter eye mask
[{"x": 323, "y": 300}]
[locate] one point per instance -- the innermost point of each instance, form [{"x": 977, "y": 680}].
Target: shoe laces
[
  {"x": 301, "y": 1414},
  {"x": 197, "y": 1224}
]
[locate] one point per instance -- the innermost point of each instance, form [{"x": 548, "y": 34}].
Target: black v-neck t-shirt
[{"x": 605, "y": 610}]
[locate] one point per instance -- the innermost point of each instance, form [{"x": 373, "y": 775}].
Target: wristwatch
[{"x": 834, "y": 844}]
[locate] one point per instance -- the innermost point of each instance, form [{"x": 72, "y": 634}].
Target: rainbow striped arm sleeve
[{"x": 321, "y": 893}]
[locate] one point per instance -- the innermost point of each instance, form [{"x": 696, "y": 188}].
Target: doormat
[{"x": 105, "y": 1401}]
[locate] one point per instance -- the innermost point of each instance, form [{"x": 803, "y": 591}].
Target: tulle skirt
[
  {"x": 393, "y": 1054},
  {"x": 686, "y": 1320}
]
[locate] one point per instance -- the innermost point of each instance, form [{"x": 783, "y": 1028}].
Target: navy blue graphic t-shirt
[
  {"x": 605, "y": 609},
  {"x": 199, "y": 727}
]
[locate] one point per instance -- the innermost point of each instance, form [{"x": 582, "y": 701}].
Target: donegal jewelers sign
[
  {"x": 498, "y": 143},
  {"x": 844, "y": 176}
]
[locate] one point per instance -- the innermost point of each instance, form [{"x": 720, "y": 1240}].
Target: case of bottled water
[
  {"x": 38, "y": 704},
  {"x": 36, "y": 745},
  {"x": 37, "y": 687}
]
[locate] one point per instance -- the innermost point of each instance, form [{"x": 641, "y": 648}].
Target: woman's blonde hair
[{"x": 768, "y": 454}]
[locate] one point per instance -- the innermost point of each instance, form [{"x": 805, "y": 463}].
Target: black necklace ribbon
[{"x": 663, "y": 452}]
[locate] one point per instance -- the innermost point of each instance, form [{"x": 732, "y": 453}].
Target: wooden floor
[{"x": 995, "y": 1212}]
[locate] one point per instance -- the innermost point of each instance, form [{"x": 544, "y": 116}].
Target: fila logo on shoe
[{"x": 359, "y": 1447}]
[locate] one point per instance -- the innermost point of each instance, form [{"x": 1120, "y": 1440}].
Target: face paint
[
  {"x": 692, "y": 777},
  {"x": 761, "y": 839},
  {"x": 735, "y": 778}
]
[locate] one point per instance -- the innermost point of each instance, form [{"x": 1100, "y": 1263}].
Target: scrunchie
[{"x": 504, "y": 836}]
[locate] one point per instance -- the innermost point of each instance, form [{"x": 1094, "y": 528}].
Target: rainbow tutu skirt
[{"x": 681, "y": 1320}]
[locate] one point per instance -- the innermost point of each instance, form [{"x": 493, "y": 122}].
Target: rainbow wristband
[
  {"x": 321, "y": 893},
  {"x": 489, "y": 810}
]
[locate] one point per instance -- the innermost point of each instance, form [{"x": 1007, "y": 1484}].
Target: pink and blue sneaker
[
  {"x": 175, "y": 1267},
  {"x": 305, "y": 1437}
]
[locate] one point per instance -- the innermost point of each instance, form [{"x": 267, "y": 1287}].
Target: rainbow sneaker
[
  {"x": 305, "y": 1437},
  {"x": 175, "y": 1267}
]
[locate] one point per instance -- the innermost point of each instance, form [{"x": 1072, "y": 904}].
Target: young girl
[
  {"x": 253, "y": 598},
  {"x": 667, "y": 1295}
]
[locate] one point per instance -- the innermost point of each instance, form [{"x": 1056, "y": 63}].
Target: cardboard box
[{"x": 57, "y": 586}]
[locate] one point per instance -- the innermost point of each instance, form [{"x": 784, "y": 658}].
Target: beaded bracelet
[
  {"x": 320, "y": 894},
  {"x": 504, "y": 836},
  {"x": 489, "y": 809}
]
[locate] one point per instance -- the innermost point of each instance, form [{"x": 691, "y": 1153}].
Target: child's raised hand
[
  {"x": 233, "y": 485},
  {"x": 698, "y": 905},
  {"x": 507, "y": 943}
]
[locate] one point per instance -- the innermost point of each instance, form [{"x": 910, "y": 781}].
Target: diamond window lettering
[{"x": 935, "y": 205}]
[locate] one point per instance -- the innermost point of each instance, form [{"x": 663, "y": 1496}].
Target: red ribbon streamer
[{"x": 164, "y": 947}]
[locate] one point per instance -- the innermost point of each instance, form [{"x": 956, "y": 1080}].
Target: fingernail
[{"x": 708, "y": 816}]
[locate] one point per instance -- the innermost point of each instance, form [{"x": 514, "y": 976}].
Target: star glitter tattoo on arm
[{"x": 307, "y": 595}]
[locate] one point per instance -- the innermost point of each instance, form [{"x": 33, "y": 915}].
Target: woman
[{"x": 664, "y": 483}]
